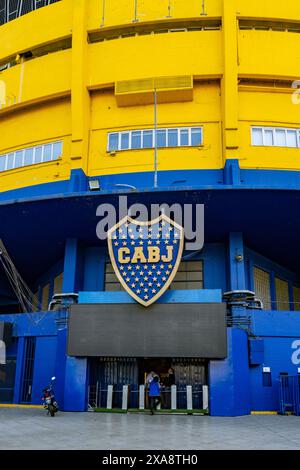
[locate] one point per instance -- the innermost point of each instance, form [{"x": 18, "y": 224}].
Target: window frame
[
  {"x": 265, "y": 129},
  {"x": 34, "y": 149},
  {"x": 166, "y": 130}
]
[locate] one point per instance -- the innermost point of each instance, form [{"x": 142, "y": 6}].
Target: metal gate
[
  {"x": 28, "y": 367},
  {"x": 116, "y": 371},
  {"x": 190, "y": 372},
  {"x": 289, "y": 388},
  {"x": 7, "y": 380}
]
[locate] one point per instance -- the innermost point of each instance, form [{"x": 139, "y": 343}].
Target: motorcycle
[{"x": 49, "y": 400}]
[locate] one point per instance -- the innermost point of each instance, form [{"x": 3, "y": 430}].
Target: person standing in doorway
[
  {"x": 154, "y": 394},
  {"x": 169, "y": 381}
]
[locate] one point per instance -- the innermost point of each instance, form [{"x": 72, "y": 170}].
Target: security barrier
[
  {"x": 289, "y": 388},
  {"x": 127, "y": 397}
]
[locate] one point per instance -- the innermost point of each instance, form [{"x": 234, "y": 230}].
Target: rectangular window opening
[{"x": 145, "y": 139}]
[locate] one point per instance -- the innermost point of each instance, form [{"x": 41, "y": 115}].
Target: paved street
[{"x": 31, "y": 429}]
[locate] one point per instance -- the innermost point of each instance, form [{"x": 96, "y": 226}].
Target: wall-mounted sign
[{"x": 146, "y": 256}]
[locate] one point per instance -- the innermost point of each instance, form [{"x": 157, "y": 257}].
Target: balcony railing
[{"x": 12, "y": 9}]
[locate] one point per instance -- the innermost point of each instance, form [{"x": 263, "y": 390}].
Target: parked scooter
[{"x": 49, "y": 400}]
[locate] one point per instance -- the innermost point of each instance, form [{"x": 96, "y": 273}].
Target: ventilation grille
[{"x": 150, "y": 84}]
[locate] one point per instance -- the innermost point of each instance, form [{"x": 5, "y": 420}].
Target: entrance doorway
[
  {"x": 120, "y": 371},
  {"x": 159, "y": 366},
  {"x": 7, "y": 380}
]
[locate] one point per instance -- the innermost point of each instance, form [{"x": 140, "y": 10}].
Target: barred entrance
[
  {"x": 28, "y": 368},
  {"x": 7, "y": 380},
  {"x": 109, "y": 376}
]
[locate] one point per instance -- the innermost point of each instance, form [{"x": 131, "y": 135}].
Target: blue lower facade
[
  {"x": 251, "y": 223},
  {"x": 237, "y": 386}
]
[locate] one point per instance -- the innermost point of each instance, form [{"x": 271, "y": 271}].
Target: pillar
[
  {"x": 237, "y": 278},
  {"x": 230, "y": 379},
  {"x": 229, "y": 82},
  {"x": 71, "y": 372}
]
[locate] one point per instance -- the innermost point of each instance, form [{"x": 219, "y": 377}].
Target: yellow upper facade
[{"x": 77, "y": 70}]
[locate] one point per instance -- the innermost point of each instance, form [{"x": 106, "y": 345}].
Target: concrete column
[
  {"x": 229, "y": 380},
  {"x": 142, "y": 397},
  {"x": 125, "y": 397},
  {"x": 71, "y": 266},
  {"x": 236, "y": 261},
  {"x": 173, "y": 397},
  {"x": 229, "y": 82},
  {"x": 71, "y": 376},
  {"x": 94, "y": 269},
  {"x": 189, "y": 397},
  {"x": 80, "y": 103},
  {"x": 205, "y": 397},
  {"x": 109, "y": 402}
]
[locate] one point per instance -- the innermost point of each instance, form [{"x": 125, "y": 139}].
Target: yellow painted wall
[
  {"x": 48, "y": 123},
  {"x": 123, "y": 11},
  {"x": 69, "y": 94},
  {"x": 266, "y": 9},
  {"x": 204, "y": 111},
  {"x": 45, "y": 77},
  {"x": 269, "y": 54},
  {"x": 275, "y": 109},
  {"x": 40, "y": 27},
  {"x": 158, "y": 55}
]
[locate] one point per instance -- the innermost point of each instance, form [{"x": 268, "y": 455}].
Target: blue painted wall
[
  {"x": 235, "y": 387},
  {"x": 280, "y": 332},
  {"x": 231, "y": 175},
  {"x": 44, "y": 365},
  {"x": 230, "y": 379}
]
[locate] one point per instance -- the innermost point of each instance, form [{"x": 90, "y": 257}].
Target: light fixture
[{"x": 94, "y": 185}]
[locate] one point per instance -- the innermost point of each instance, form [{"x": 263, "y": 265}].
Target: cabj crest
[{"x": 146, "y": 256}]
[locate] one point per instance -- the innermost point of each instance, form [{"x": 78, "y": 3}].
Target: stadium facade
[{"x": 78, "y": 86}]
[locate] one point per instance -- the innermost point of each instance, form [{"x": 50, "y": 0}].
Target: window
[
  {"x": 125, "y": 138},
  {"x": 136, "y": 140},
  {"x": 19, "y": 159},
  {"x": 262, "y": 287},
  {"x": 45, "y": 297},
  {"x": 148, "y": 139},
  {"x": 267, "y": 379},
  {"x": 184, "y": 137},
  {"x": 145, "y": 139},
  {"x": 58, "y": 284},
  {"x": 35, "y": 302},
  {"x": 113, "y": 142},
  {"x": 28, "y": 157},
  {"x": 111, "y": 283},
  {"x": 296, "y": 293},
  {"x": 282, "y": 294},
  {"x": 172, "y": 137},
  {"x": 189, "y": 276},
  {"x": 31, "y": 156},
  {"x": 161, "y": 138},
  {"x": 276, "y": 137},
  {"x": 196, "y": 137},
  {"x": 38, "y": 155}
]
